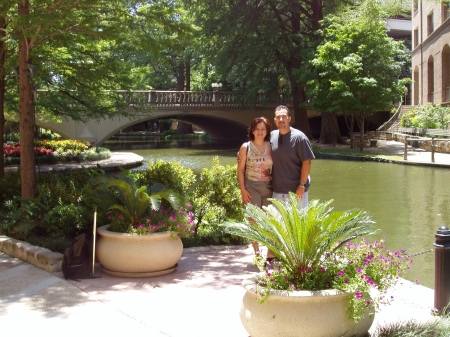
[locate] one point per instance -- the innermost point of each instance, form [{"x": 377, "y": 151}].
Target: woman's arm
[{"x": 240, "y": 173}]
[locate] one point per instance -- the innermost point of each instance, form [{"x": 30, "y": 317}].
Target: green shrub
[
  {"x": 217, "y": 198},
  {"x": 10, "y": 186},
  {"x": 171, "y": 174},
  {"x": 67, "y": 220},
  {"x": 427, "y": 117},
  {"x": 64, "y": 207}
]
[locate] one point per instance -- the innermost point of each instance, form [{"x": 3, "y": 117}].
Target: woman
[{"x": 255, "y": 166}]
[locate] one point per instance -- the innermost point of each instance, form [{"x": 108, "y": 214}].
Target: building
[{"x": 431, "y": 53}]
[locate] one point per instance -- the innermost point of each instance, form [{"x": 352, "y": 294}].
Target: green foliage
[
  {"x": 432, "y": 328},
  {"x": 68, "y": 220},
  {"x": 64, "y": 207},
  {"x": 171, "y": 174},
  {"x": 357, "y": 66},
  {"x": 10, "y": 186},
  {"x": 77, "y": 194},
  {"x": 314, "y": 252},
  {"x": 128, "y": 198},
  {"x": 60, "y": 146},
  {"x": 217, "y": 197},
  {"x": 64, "y": 151},
  {"x": 299, "y": 237},
  {"x": 427, "y": 116}
]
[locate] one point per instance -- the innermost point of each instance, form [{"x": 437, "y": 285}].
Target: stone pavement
[{"x": 201, "y": 298}]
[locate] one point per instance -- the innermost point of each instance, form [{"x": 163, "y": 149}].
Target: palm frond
[{"x": 298, "y": 236}]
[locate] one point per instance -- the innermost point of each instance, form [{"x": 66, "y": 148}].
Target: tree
[
  {"x": 357, "y": 67},
  {"x": 254, "y": 44},
  {"x": 75, "y": 45}
]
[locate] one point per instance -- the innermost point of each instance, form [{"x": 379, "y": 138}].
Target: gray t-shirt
[{"x": 287, "y": 158}]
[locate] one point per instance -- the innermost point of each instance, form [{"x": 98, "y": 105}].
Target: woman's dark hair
[{"x": 253, "y": 125}]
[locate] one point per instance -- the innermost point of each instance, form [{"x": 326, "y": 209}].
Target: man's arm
[{"x": 304, "y": 173}]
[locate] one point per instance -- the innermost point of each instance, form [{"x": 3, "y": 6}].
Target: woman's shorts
[{"x": 260, "y": 192}]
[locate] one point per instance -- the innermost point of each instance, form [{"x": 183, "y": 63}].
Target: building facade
[{"x": 430, "y": 53}]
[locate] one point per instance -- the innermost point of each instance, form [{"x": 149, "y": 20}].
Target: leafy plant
[
  {"x": 171, "y": 174},
  {"x": 427, "y": 116},
  {"x": 131, "y": 206},
  {"x": 438, "y": 327},
  {"x": 314, "y": 251},
  {"x": 217, "y": 197}
]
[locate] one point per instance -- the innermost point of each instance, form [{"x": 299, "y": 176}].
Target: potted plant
[
  {"x": 143, "y": 237},
  {"x": 321, "y": 283}
]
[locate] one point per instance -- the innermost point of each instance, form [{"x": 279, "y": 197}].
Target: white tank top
[{"x": 258, "y": 166}]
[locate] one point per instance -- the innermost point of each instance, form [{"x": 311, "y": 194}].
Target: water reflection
[{"x": 408, "y": 203}]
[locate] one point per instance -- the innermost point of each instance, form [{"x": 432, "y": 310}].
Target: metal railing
[{"x": 386, "y": 125}]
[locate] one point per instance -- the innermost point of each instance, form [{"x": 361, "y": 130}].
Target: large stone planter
[
  {"x": 299, "y": 313},
  {"x": 129, "y": 255}
]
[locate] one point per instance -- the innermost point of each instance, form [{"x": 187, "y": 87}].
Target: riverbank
[
  {"x": 125, "y": 160},
  {"x": 386, "y": 151}
]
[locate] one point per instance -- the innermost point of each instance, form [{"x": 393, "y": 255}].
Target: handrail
[{"x": 391, "y": 120}]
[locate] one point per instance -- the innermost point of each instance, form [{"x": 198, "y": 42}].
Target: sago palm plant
[
  {"x": 134, "y": 201},
  {"x": 301, "y": 237}
]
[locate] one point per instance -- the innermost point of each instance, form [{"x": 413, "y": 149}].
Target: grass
[{"x": 437, "y": 328}]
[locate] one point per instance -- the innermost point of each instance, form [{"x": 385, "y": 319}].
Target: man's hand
[{"x": 300, "y": 191}]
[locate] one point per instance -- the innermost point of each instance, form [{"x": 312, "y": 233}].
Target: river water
[{"x": 408, "y": 203}]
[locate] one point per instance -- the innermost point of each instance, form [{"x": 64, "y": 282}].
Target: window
[
  {"x": 445, "y": 12},
  {"x": 430, "y": 24},
  {"x": 415, "y": 7}
]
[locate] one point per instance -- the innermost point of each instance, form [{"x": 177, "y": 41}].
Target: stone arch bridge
[{"x": 220, "y": 114}]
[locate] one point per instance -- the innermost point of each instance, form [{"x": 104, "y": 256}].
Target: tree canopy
[{"x": 357, "y": 67}]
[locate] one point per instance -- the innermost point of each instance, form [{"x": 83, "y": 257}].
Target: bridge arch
[{"x": 222, "y": 115}]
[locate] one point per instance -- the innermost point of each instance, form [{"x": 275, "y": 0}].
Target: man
[{"x": 292, "y": 155}]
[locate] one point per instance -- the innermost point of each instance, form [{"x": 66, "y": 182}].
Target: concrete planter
[
  {"x": 299, "y": 313},
  {"x": 129, "y": 255}
]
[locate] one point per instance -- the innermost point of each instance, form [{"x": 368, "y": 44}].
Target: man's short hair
[{"x": 283, "y": 107}]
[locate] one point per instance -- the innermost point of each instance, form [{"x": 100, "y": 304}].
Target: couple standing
[{"x": 273, "y": 169}]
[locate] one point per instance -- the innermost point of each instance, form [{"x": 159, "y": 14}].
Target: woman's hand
[{"x": 246, "y": 197}]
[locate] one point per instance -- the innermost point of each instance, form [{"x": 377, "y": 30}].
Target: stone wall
[
  {"x": 38, "y": 256},
  {"x": 440, "y": 146}
]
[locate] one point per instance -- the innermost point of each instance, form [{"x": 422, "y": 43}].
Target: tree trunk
[
  {"x": 26, "y": 117},
  {"x": 361, "y": 144},
  {"x": 2, "y": 87},
  {"x": 329, "y": 132},
  {"x": 360, "y": 121},
  {"x": 350, "y": 121},
  {"x": 180, "y": 76},
  {"x": 300, "y": 112},
  {"x": 188, "y": 74}
]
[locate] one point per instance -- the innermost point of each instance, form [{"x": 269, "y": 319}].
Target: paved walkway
[
  {"x": 202, "y": 298},
  {"x": 415, "y": 156}
]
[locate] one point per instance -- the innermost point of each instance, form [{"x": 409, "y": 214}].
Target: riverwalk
[{"x": 201, "y": 298}]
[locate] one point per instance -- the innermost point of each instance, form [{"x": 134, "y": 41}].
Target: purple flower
[{"x": 358, "y": 295}]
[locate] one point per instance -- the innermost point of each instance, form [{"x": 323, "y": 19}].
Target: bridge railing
[{"x": 193, "y": 99}]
